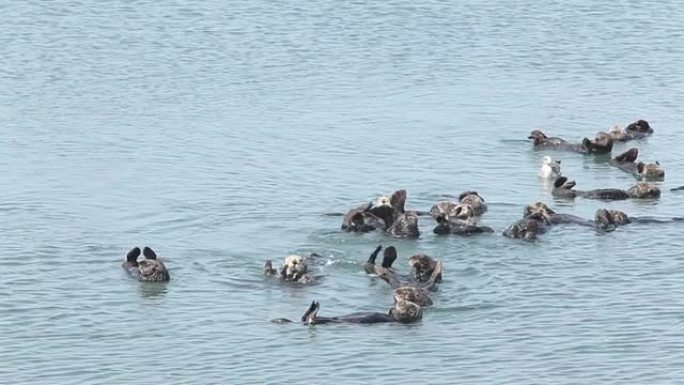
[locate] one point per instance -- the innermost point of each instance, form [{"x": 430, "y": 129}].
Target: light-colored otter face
[
  {"x": 538, "y": 207},
  {"x": 650, "y": 171},
  {"x": 152, "y": 270},
  {"x": 644, "y": 190},
  {"x": 406, "y": 311},
  {"x": 617, "y": 133},
  {"x": 294, "y": 267},
  {"x": 422, "y": 266},
  {"x": 382, "y": 200},
  {"x": 602, "y": 143},
  {"x": 462, "y": 211},
  {"x": 412, "y": 294},
  {"x": 619, "y": 218}
]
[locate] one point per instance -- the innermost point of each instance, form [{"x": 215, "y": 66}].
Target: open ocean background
[{"x": 218, "y": 133}]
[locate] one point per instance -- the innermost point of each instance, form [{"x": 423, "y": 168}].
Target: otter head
[
  {"x": 538, "y": 207},
  {"x": 471, "y": 197},
  {"x": 527, "y": 228},
  {"x": 537, "y": 137},
  {"x": 604, "y": 220},
  {"x": 422, "y": 267},
  {"x": 406, "y": 311},
  {"x": 152, "y": 270},
  {"x": 382, "y": 208},
  {"x": 417, "y": 295},
  {"x": 564, "y": 183},
  {"x": 602, "y": 143},
  {"x": 294, "y": 267},
  {"x": 644, "y": 190},
  {"x": 462, "y": 211},
  {"x": 619, "y": 217},
  {"x": 650, "y": 170},
  {"x": 617, "y": 133},
  {"x": 640, "y": 126}
]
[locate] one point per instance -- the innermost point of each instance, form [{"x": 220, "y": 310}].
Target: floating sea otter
[
  {"x": 619, "y": 218},
  {"x": 149, "y": 269},
  {"x": 553, "y": 218},
  {"x": 528, "y": 228},
  {"x": 602, "y": 143},
  {"x": 637, "y": 130},
  {"x": 294, "y": 269},
  {"x": 460, "y": 218},
  {"x": 402, "y": 311},
  {"x": 386, "y": 213},
  {"x": 564, "y": 188},
  {"x": 642, "y": 171},
  {"x": 425, "y": 274}
]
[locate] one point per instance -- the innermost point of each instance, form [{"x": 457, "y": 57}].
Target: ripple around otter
[{"x": 220, "y": 134}]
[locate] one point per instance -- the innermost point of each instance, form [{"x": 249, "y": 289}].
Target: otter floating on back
[
  {"x": 402, "y": 311},
  {"x": 295, "y": 268},
  {"x": 637, "y": 130},
  {"x": 642, "y": 171},
  {"x": 602, "y": 143},
  {"x": 149, "y": 269},
  {"x": 564, "y": 188}
]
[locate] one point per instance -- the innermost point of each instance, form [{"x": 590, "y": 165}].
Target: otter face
[
  {"x": 406, "y": 311},
  {"x": 650, "y": 171},
  {"x": 537, "y": 137},
  {"x": 619, "y": 218},
  {"x": 416, "y": 295},
  {"x": 382, "y": 208},
  {"x": 644, "y": 190},
  {"x": 537, "y": 207},
  {"x": 153, "y": 270},
  {"x": 422, "y": 266},
  {"x": 604, "y": 220},
  {"x": 463, "y": 211},
  {"x": 294, "y": 268},
  {"x": 617, "y": 133},
  {"x": 601, "y": 144}
]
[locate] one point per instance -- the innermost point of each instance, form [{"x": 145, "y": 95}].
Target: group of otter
[{"x": 459, "y": 217}]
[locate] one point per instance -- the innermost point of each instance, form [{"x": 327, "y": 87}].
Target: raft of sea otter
[{"x": 411, "y": 292}]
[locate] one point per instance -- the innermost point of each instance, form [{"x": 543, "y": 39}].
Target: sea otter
[
  {"x": 553, "y": 218},
  {"x": 642, "y": 171},
  {"x": 149, "y": 269},
  {"x": 361, "y": 219},
  {"x": 402, "y": 311},
  {"x": 527, "y": 228},
  {"x": 398, "y": 222},
  {"x": 637, "y": 130},
  {"x": 426, "y": 273},
  {"x": 619, "y": 218},
  {"x": 446, "y": 225},
  {"x": 563, "y": 188},
  {"x": 294, "y": 269},
  {"x": 602, "y": 143}
]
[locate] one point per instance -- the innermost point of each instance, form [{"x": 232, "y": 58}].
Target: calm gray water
[{"x": 218, "y": 133}]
